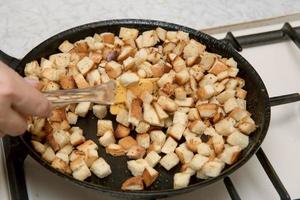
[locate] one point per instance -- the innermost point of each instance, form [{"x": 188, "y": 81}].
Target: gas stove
[{"x": 273, "y": 173}]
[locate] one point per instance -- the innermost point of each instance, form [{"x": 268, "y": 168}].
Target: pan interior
[{"x": 257, "y": 103}]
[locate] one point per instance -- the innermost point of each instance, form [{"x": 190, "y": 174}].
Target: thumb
[{"x": 34, "y": 83}]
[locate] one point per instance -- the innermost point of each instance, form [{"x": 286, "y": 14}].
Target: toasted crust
[
  {"x": 127, "y": 142},
  {"x": 149, "y": 176},
  {"x": 121, "y": 131},
  {"x": 115, "y": 150},
  {"x": 133, "y": 183}
]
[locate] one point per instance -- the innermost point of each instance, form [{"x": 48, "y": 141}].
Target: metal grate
[
  {"x": 15, "y": 152},
  {"x": 240, "y": 42}
]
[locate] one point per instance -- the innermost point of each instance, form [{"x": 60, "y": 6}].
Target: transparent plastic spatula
[{"x": 101, "y": 94}]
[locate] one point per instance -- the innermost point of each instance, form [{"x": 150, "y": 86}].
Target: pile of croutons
[{"x": 175, "y": 104}]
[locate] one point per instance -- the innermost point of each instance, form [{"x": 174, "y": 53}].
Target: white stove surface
[{"x": 278, "y": 65}]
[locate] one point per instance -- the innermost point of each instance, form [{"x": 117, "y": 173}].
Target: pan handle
[
  {"x": 9, "y": 60},
  {"x": 284, "y": 99}
]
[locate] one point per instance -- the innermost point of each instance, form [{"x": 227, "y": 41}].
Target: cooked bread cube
[
  {"x": 39, "y": 147},
  {"x": 193, "y": 114},
  {"x": 128, "y": 33},
  {"x": 136, "y": 152},
  {"x": 76, "y": 154},
  {"x": 152, "y": 158},
  {"x": 176, "y": 130},
  {"x": 66, "y": 149},
  {"x": 197, "y": 127},
  {"x": 108, "y": 37},
  {"x": 100, "y": 111},
  {"x": 192, "y": 49},
  {"x": 85, "y": 65},
  {"x": 169, "y": 161},
  {"x": 72, "y": 117},
  {"x": 184, "y": 155},
  {"x": 182, "y": 76},
  {"x": 100, "y": 168},
  {"x": 192, "y": 142},
  {"x": 66, "y": 46},
  {"x": 225, "y": 126},
  {"x": 107, "y": 139},
  {"x": 32, "y": 68},
  {"x": 187, "y": 102},
  {"x": 167, "y": 104},
  {"x": 82, "y": 108},
  {"x": 180, "y": 93},
  {"x": 206, "y": 92},
  {"x": 207, "y": 110},
  {"x": 218, "y": 67},
  {"x": 224, "y": 96},
  {"x": 127, "y": 142},
  {"x": 133, "y": 183},
  {"x": 142, "y": 127},
  {"x": 230, "y": 104},
  {"x": 239, "y": 113},
  {"x": 149, "y": 175},
  {"x": 63, "y": 156},
  {"x": 115, "y": 150},
  {"x": 89, "y": 144},
  {"x": 200, "y": 174},
  {"x": 137, "y": 167},
  {"x": 150, "y": 115},
  {"x": 80, "y": 81},
  {"x": 121, "y": 131},
  {"x": 126, "y": 51},
  {"x": 231, "y": 62},
  {"x": 122, "y": 117},
  {"x": 113, "y": 69},
  {"x": 158, "y": 137},
  {"x": 181, "y": 180},
  {"x": 82, "y": 171},
  {"x": 57, "y": 115},
  {"x": 198, "y": 161},
  {"x": 208, "y": 79},
  {"x": 76, "y": 138},
  {"x": 129, "y": 78},
  {"x": 149, "y": 38},
  {"x": 143, "y": 140},
  {"x": 179, "y": 65},
  {"x": 128, "y": 63},
  {"x": 238, "y": 139},
  {"x": 161, "y": 33},
  {"x": 180, "y": 118},
  {"x": 93, "y": 77},
  {"x": 240, "y": 93},
  {"x": 166, "y": 78},
  {"x": 60, "y": 165},
  {"x": 90, "y": 156},
  {"x": 103, "y": 126},
  {"x": 169, "y": 146},
  {"x": 233, "y": 71},
  {"x": 66, "y": 82},
  {"x": 61, "y": 138},
  {"x": 48, "y": 155},
  {"x": 50, "y": 86},
  {"x": 160, "y": 112},
  {"x": 204, "y": 149},
  {"x": 213, "y": 168},
  {"x": 230, "y": 154},
  {"x": 218, "y": 143}
]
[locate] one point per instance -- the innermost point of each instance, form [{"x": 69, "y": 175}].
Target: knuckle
[{"x": 43, "y": 108}]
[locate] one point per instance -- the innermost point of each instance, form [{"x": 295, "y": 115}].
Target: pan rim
[{"x": 163, "y": 192}]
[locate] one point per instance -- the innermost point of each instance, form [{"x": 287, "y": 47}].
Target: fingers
[
  {"x": 24, "y": 98},
  {"x": 12, "y": 123}
]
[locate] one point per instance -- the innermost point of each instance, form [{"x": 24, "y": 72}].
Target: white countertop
[{"x": 26, "y": 23}]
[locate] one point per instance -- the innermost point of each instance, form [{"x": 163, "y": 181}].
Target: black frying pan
[{"x": 257, "y": 103}]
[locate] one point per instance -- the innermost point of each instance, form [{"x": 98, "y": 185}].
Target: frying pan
[{"x": 257, "y": 103}]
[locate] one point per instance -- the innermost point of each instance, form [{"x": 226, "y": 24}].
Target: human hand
[{"x": 18, "y": 99}]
